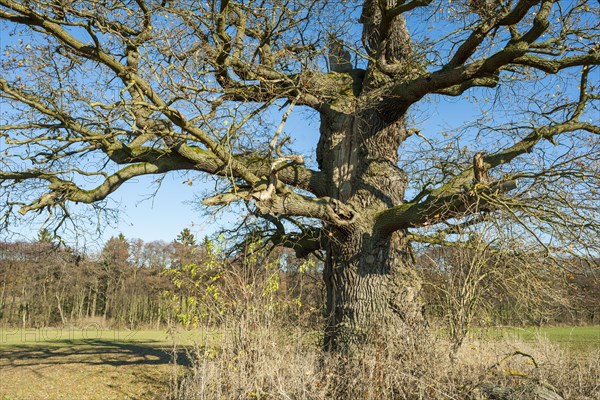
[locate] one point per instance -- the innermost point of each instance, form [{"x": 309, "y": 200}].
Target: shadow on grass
[{"x": 93, "y": 352}]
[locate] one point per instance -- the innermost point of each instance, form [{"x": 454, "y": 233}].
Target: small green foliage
[
  {"x": 217, "y": 287},
  {"x": 45, "y": 236},
  {"x": 197, "y": 296},
  {"x": 307, "y": 266},
  {"x": 186, "y": 238}
]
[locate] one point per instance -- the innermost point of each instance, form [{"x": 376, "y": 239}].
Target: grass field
[
  {"x": 78, "y": 363},
  {"x": 91, "y": 363},
  {"x": 579, "y": 338}
]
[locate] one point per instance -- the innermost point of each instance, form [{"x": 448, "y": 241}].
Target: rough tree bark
[
  {"x": 373, "y": 290},
  {"x": 372, "y": 287}
]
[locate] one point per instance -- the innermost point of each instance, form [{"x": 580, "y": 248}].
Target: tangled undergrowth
[{"x": 249, "y": 362}]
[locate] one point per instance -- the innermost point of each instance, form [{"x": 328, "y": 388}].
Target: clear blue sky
[{"x": 175, "y": 205}]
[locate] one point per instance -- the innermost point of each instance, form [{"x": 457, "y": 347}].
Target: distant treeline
[
  {"x": 132, "y": 283},
  {"x": 497, "y": 286},
  {"x": 43, "y": 284}
]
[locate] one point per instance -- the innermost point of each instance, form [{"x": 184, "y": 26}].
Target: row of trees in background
[
  {"x": 133, "y": 283},
  {"x": 491, "y": 286},
  {"x": 44, "y": 284}
]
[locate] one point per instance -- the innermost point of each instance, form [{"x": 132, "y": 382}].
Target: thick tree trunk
[
  {"x": 107, "y": 299},
  {"x": 373, "y": 290}
]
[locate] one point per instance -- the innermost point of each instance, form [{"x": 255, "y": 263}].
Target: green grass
[
  {"x": 573, "y": 337},
  {"x": 56, "y": 336}
]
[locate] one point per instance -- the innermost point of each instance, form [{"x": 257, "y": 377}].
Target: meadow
[
  {"x": 577, "y": 338},
  {"x": 85, "y": 363},
  {"x": 104, "y": 364}
]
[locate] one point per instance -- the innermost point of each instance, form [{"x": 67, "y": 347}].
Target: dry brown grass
[
  {"x": 259, "y": 363},
  {"x": 249, "y": 359}
]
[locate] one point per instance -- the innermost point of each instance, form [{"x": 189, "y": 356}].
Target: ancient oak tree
[{"x": 99, "y": 92}]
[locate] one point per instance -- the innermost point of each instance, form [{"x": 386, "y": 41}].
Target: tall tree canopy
[{"x": 98, "y": 92}]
